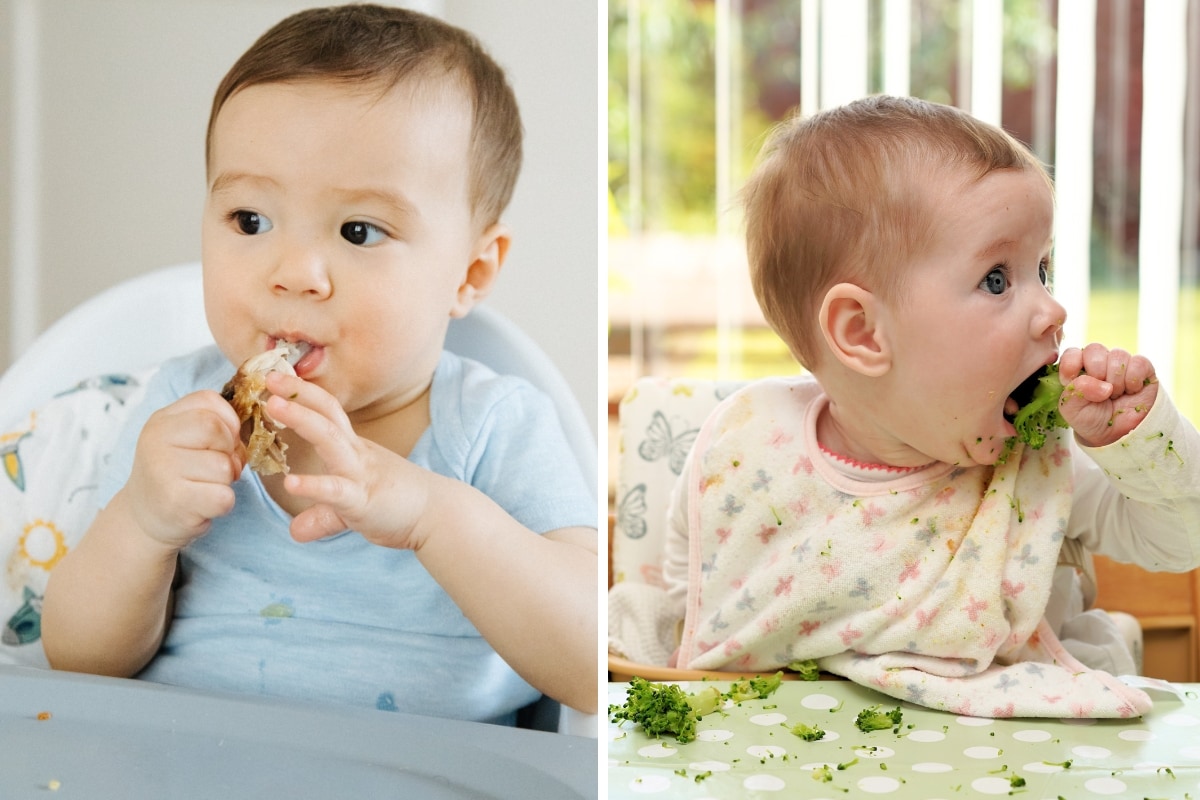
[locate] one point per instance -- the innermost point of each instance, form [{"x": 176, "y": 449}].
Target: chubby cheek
[
  {"x": 984, "y": 428},
  {"x": 958, "y": 417},
  {"x": 960, "y": 376},
  {"x": 228, "y": 319},
  {"x": 382, "y": 340}
]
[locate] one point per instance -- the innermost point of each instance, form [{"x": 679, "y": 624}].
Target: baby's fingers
[
  {"x": 221, "y": 420},
  {"x": 1096, "y": 359},
  {"x": 194, "y": 438},
  {"x": 1139, "y": 374},
  {"x": 322, "y": 518},
  {"x": 197, "y": 431},
  {"x": 1070, "y": 364},
  {"x": 1111, "y": 366},
  {"x": 316, "y": 523},
  {"x": 308, "y": 395},
  {"x": 317, "y": 418},
  {"x": 333, "y": 490},
  {"x": 1085, "y": 390}
]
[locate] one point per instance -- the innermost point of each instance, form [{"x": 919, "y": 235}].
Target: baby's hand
[
  {"x": 366, "y": 487},
  {"x": 187, "y": 456},
  {"x": 1108, "y": 392}
]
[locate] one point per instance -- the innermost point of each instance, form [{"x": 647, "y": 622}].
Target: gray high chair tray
[{"x": 69, "y": 735}]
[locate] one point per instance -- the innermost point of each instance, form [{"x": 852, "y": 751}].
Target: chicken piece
[{"x": 247, "y": 393}]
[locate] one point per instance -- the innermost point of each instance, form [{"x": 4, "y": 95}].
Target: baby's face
[
  {"x": 976, "y": 317},
  {"x": 339, "y": 217}
]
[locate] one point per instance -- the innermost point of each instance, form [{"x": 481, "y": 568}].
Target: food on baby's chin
[{"x": 247, "y": 393}]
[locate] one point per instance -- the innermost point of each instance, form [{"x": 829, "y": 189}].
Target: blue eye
[
  {"x": 250, "y": 223},
  {"x": 995, "y": 282},
  {"x": 1044, "y": 272},
  {"x": 363, "y": 233}
]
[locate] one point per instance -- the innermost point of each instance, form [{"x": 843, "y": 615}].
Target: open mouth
[
  {"x": 301, "y": 354},
  {"x": 1023, "y": 394},
  {"x": 296, "y": 351}
]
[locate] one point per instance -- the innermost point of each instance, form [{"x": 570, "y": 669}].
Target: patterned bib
[{"x": 930, "y": 587}]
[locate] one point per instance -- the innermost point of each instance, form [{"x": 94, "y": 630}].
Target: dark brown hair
[{"x": 382, "y": 46}]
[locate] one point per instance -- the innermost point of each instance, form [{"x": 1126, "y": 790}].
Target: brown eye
[
  {"x": 250, "y": 223},
  {"x": 363, "y": 233}
]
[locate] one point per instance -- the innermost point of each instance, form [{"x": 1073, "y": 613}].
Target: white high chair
[
  {"x": 139, "y": 323},
  {"x": 125, "y": 329}
]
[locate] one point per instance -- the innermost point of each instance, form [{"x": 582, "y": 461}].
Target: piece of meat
[{"x": 247, "y": 393}]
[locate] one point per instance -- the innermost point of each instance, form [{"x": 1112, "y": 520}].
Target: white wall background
[{"x": 104, "y": 104}]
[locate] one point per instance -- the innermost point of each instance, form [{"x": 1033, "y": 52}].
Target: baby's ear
[
  {"x": 852, "y": 322},
  {"x": 487, "y": 257}
]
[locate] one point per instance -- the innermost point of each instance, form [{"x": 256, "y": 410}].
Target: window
[{"x": 694, "y": 85}]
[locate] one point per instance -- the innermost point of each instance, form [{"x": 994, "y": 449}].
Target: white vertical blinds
[
  {"x": 1164, "y": 74},
  {"x": 897, "y": 46},
  {"x": 987, "y": 59},
  {"x": 1073, "y": 162},
  {"x": 844, "y": 38}
]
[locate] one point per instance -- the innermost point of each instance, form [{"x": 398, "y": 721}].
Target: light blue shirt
[{"x": 342, "y": 620}]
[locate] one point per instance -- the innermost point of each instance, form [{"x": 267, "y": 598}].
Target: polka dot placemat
[{"x": 750, "y": 751}]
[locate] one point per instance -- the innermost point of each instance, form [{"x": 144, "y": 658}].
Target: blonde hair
[
  {"x": 383, "y": 46},
  {"x": 838, "y": 197}
]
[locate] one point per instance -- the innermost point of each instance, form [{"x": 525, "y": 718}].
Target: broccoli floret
[
  {"x": 870, "y": 719},
  {"x": 766, "y": 686},
  {"x": 806, "y": 669},
  {"x": 809, "y": 733},
  {"x": 1040, "y": 415},
  {"x": 665, "y": 708},
  {"x": 754, "y": 688}
]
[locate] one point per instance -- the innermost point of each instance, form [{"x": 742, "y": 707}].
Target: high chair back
[
  {"x": 125, "y": 329},
  {"x": 658, "y": 421}
]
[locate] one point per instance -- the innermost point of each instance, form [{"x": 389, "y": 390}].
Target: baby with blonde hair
[{"x": 879, "y": 515}]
